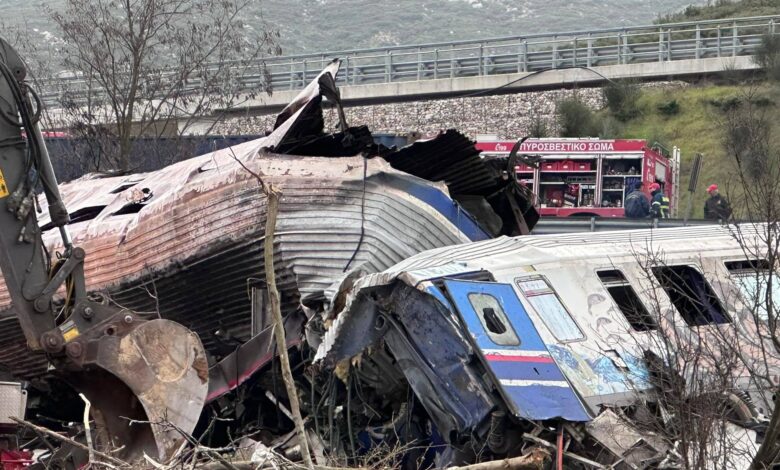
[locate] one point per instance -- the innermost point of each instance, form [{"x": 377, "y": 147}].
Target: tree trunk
[
  {"x": 770, "y": 447},
  {"x": 123, "y": 159},
  {"x": 279, "y": 333}
]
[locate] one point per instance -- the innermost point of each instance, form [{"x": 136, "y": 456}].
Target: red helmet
[
  {"x": 713, "y": 187},
  {"x": 654, "y": 187}
]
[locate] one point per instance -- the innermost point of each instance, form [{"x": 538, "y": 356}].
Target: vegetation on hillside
[
  {"x": 328, "y": 25},
  {"x": 699, "y": 127},
  {"x": 729, "y": 122},
  {"x": 719, "y": 9}
]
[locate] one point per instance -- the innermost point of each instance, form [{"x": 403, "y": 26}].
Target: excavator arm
[{"x": 146, "y": 379}]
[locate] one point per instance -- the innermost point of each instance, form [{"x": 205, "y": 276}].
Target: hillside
[
  {"x": 697, "y": 129},
  {"x": 723, "y": 9},
  {"x": 328, "y": 25}
]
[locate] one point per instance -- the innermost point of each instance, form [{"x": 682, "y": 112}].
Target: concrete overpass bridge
[{"x": 507, "y": 64}]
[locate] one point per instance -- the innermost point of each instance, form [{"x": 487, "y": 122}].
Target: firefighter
[
  {"x": 636, "y": 205},
  {"x": 716, "y": 207},
  {"x": 659, "y": 208}
]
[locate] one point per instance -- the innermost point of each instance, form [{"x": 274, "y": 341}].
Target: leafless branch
[{"x": 70, "y": 441}]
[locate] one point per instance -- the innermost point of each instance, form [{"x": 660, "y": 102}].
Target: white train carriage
[{"x": 599, "y": 305}]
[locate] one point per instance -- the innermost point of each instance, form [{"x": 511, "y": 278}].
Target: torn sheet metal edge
[
  {"x": 619, "y": 436},
  {"x": 237, "y": 367},
  {"x": 293, "y": 111}
]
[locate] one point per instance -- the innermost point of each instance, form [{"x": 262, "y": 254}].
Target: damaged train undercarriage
[{"x": 401, "y": 356}]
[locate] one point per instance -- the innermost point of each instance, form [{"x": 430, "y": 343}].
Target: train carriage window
[
  {"x": 691, "y": 295},
  {"x": 494, "y": 319},
  {"x": 752, "y": 278},
  {"x": 549, "y": 307},
  {"x": 627, "y": 301}
]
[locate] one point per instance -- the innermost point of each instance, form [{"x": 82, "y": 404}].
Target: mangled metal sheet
[
  {"x": 624, "y": 440},
  {"x": 527, "y": 375},
  {"x": 239, "y": 366},
  {"x": 205, "y": 219}
]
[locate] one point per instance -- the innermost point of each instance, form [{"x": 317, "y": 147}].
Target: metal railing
[
  {"x": 536, "y": 52},
  {"x": 555, "y": 225}
]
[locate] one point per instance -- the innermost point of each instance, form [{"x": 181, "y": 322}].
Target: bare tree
[
  {"x": 154, "y": 67},
  {"x": 768, "y": 55},
  {"x": 699, "y": 359},
  {"x": 750, "y": 132}
]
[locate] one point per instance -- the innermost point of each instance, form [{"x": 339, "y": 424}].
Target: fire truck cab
[{"x": 590, "y": 177}]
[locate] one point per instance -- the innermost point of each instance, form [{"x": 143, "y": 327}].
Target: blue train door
[{"x": 530, "y": 380}]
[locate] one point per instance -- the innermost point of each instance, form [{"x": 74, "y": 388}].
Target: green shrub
[
  {"x": 767, "y": 56},
  {"x": 762, "y": 101},
  {"x": 610, "y": 128},
  {"x": 669, "y": 108},
  {"x": 727, "y": 103},
  {"x": 575, "y": 119},
  {"x": 538, "y": 127},
  {"x": 622, "y": 99}
]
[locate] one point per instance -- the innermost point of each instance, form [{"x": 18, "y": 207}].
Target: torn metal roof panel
[
  {"x": 307, "y": 102},
  {"x": 450, "y": 157},
  {"x": 495, "y": 199}
]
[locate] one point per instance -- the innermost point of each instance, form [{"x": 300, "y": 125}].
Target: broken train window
[
  {"x": 550, "y": 309},
  {"x": 82, "y": 214},
  {"x": 626, "y": 300},
  {"x": 752, "y": 278},
  {"x": 691, "y": 295},
  {"x": 136, "y": 200},
  {"x": 494, "y": 319}
]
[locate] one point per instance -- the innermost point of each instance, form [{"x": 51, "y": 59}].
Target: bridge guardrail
[
  {"x": 555, "y": 225},
  {"x": 529, "y": 53}
]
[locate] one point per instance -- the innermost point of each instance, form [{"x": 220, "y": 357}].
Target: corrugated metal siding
[{"x": 200, "y": 238}]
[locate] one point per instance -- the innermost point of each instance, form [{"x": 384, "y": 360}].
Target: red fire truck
[{"x": 590, "y": 177}]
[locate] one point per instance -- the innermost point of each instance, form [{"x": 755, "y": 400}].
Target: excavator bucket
[
  {"x": 146, "y": 380},
  {"x": 148, "y": 390}
]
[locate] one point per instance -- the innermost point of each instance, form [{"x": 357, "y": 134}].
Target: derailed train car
[
  {"x": 186, "y": 242},
  {"x": 462, "y": 353},
  {"x": 608, "y": 339}
]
